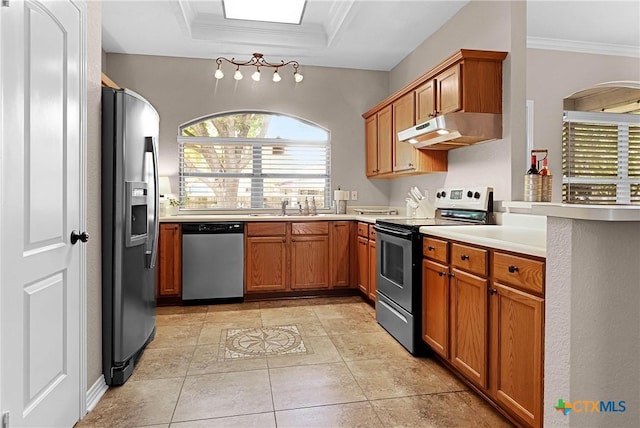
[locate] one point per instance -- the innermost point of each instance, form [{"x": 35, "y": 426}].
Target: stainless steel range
[{"x": 399, "y": 258}]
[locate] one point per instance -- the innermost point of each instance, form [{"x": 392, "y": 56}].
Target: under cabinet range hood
[{"x": 452, "y": 130}]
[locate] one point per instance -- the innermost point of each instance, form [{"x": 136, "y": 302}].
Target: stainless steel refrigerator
[{"x": 130, "y": 128}]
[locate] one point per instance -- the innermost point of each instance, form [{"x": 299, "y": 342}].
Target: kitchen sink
[{"x": 285, "y": 215}]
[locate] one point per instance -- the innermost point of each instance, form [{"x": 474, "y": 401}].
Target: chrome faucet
[{"x": 284, "y": 203}]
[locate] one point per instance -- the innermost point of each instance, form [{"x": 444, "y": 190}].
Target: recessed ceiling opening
[{"x": 277, "y": 11}]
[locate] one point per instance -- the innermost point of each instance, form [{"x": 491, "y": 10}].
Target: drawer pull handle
[
  {"x": 492, "y": 291},
  {"x": 513, "y": 269},
  {"x": 441, "y": 273},
  {"x": 430, "y": 248},
  {"x": 464, "y": 257}
]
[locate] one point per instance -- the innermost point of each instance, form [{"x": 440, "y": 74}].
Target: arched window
[{"x": 252, "y": 160}]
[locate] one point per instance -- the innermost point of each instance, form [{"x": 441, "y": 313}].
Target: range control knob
[
  {"x": 469, "y": 194},
  {"x": 438, "y": 195},
  {"x": 444, "y": 194},
  {"x": 476, "y": 195}
]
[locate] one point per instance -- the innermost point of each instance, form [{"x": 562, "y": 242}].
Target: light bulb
[
  {"x": 276, "y": 76},
  {"x": 237, "y": 75},
  {"x": 256, "y": 75},
  {"x": 298, "y": 77},
  {"x": 218, "y": 74}
]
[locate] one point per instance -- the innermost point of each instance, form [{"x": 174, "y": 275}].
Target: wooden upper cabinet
[
  {"x": 169, "y": 272},
  {"x": 449, "y": 93},
  {"x": 371, "y": 145},
  {"x": 385, "y": 140},
  {"x": 468, "y": 81},
  {"x": 425, "y": 101},
  {"x": 404, "y": 154},
  {"x": 439, "y": 95}
]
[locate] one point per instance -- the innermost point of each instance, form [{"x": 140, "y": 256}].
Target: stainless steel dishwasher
[{"x": 212, "y": 260}]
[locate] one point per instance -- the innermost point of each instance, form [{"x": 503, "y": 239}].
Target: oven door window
[
  {"x": 392, "y": 262},
  {"x": 394, "y": 266}
]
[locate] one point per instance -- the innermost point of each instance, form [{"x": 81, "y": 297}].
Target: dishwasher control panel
[{"x": 220, "y": 227}]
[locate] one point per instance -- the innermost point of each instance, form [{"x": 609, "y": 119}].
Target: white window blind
[
  {"x": 253, "y": 172},
  {"x": 600, "y": 158}
]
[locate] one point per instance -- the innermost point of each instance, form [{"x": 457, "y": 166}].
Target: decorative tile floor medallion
[{"x": 261, "y": 341}]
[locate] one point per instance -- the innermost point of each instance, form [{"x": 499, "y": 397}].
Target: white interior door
[{"x": 42, "y": 96}]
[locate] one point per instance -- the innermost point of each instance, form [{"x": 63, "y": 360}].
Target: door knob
[{"x": 75, "y": 237}]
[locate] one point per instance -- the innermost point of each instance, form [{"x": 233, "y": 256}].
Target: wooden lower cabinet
[
  {"x": 169, "y": 265},
  {"x": 265, "y": 263},
  {"x": 488, "y": 326},
  {"x": 435, "y": 306},
  {"x": 373, "y": 272},
  {"x": 516, "y": 345},
  {"x": 366, "y": 258},
  {"x": 469, "y": 295},
  {"x": 297, "y": 256},
  {"x": 309, "y": 262},
  {"x": 340, "y": 253},
  {"x": 363, "y": 264}
]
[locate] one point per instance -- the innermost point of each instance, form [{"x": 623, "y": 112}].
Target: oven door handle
[{"x": 392, "y": 232}]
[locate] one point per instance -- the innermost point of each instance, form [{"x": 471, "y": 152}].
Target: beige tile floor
[{"x": 320, "y": 362}]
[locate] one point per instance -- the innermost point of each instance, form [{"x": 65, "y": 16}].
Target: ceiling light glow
[{"x": 278, "y": 11}]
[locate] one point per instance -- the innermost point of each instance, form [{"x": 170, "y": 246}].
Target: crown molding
[{"x": 583, "y": 47}]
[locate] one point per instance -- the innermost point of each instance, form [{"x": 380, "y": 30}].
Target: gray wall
[
  {"x": 183, "y": 89},
  {"x": 94, "y": 252},
  {"x": 548, "y": 85},
  {"x": 592, "y": 341},
  {"x": 499, "y": 26}
]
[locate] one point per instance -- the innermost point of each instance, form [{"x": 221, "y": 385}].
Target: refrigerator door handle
[{"x": 153, "y": 226}]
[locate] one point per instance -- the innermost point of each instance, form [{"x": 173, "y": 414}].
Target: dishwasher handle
[{"x": 212, "y": 228}]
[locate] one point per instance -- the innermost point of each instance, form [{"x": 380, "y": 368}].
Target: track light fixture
[{"x": 257, "y": 61}]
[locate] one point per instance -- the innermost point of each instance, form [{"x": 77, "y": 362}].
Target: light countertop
[
  {"x": 512, "y": 236},
  {"x": 203, "y": 218},
  {"x": 522, "y": 240},
  {"x": 577, "y": 211}
]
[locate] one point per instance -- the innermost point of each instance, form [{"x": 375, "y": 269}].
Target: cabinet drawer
[
  {"x": 435, "y": 249},
  {"x": 310, "y": 228},
  {"x": 372, "y": 233},
  {"x": 471, "y": 259},
  {"x": 521, "y": 272},
  {"x": 266, "y": 229},
  {"x": 363, "y": 229}
]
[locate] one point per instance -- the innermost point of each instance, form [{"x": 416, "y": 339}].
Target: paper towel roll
[{"x": 340, "y": 195}]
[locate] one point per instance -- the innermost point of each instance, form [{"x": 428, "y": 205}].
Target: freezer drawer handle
[{"x": 75, "y": 237}]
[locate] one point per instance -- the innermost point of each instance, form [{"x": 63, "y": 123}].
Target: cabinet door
[
  {"x": 469, "y": 313},
  {"x": 425, "y": 101},
  {"x": 169, "y": 281},
  {"x": 363, "y": 265},
  {"x": 309, "y": 262},
  {"x": 385, "y": 140},
  {"x": 339, "y": 234},
  {"x": 516, "y": 348},
  {"x": 373, "y": 272},
  {"x": 371, "y": 145},
  {"x": 403, "y": 117},
  {"x": 435, "y": 306},
  {"x": 265, "y": 263},
  {"x": 449, "y": 91}
]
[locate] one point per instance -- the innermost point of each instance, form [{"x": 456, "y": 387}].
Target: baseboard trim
[{"x": 95, "y": 393}]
